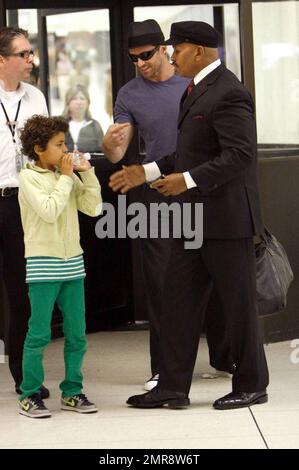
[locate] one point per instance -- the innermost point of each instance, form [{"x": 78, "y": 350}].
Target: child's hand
[
  {"x": 83, "y": 165},
  {"x": 66, "y": 166}
]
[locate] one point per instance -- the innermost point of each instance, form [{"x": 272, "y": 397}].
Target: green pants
[{"x": 69, "y": 296}]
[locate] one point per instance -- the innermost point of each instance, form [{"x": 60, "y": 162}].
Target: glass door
[
  {"x": 79, "y": 55},
  {"x": 72, "y": 50},
  {"x": 76, "y": 54},
  {"x": 224, "y": 17}
]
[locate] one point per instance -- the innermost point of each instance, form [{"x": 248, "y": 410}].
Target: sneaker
[
  {"x": 33, "y": 407},
  {"x": 151, "y": 383},
  {"x": 216, "y": 375},
  {"x": 78, "y": 403},
  {"x": 44, "y": 392}
]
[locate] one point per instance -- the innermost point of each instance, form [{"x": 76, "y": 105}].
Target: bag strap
[{"x": 266, "y": 236}]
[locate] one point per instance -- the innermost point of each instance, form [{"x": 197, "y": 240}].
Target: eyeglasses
[
  {"x": 22, "y": 54},
  {"x": 147, "y": 55}
]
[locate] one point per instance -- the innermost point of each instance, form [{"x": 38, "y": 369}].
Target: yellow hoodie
[{"x": 49, "y": 203}]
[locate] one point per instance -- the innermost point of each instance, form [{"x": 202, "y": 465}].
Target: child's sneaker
[
  {"x": 33, "y": 407},
  {"x": 78, "y": 403}
]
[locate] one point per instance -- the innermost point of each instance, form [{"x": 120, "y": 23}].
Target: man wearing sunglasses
[
  {"x": 150, "y": 103},
  {"x": 18, "y": 102}
]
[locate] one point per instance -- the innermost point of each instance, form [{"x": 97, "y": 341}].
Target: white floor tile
[
  {"x": 289, "y": 441},
  {"x": 116, "y": 366}
]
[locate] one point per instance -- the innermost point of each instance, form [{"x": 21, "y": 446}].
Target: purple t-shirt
[{"x": 153, "y": 107}]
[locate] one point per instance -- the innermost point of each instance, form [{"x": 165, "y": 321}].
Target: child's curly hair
[{"x": 38, "y": 130}]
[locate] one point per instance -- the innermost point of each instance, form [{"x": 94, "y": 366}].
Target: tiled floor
[{"x": 116, "y": 365}]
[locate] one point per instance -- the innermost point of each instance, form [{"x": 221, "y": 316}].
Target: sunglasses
[
  {"x": 144, "y": 55},
  {"x": 23, "y": 54}
]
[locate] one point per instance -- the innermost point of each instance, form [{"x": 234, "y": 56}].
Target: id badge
[{"x": 19, "y": 159}]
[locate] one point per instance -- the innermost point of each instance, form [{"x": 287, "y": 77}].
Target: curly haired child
[{"x": 50, "y": 196}]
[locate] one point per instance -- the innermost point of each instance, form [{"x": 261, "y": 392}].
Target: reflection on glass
[
  {"x": 85, "y": 133},
  {"x": 27, "y": 19},
  {"x": 79, "y": 54},
  {"x": 229, "y": 51},
  {"x": 276, "y": 65}
]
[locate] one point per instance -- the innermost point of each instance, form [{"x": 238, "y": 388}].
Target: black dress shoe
[
  {"x": 43, "y": 391},
  {"x": 240, "y": 400},
  {"x": 157, "y": 398}
]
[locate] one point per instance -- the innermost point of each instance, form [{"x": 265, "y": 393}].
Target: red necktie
[{"x": 190, "y": 87}]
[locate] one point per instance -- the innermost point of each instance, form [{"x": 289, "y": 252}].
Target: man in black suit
[{"x": 214, "y": 164}]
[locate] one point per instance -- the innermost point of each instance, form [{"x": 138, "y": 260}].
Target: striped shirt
[{"x": 47, "y": 269}]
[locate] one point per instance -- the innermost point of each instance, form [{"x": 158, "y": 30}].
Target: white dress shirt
[
  {"x": 32, "y": 102},
  {"x": 152, "y": 171}
]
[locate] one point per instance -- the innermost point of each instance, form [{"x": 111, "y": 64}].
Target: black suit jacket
[{"x": 217, "y": 145}]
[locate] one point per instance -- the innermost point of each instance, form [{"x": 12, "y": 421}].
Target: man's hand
[
  {"x": 116, "y": 134},
  {"x": 127, "y": 178},
  {"x": 171, "y": 185}
]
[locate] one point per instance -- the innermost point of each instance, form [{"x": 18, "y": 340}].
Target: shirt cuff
[
  {"x": 152, "y": 171},
  {"x": 190, "y": 183}
]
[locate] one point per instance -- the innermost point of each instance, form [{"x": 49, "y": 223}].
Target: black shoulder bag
[{"x": 273, "y": 275}]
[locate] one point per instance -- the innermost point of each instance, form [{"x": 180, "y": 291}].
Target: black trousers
[
  {"x": 155, "y": 257},
  {"x": 12, "y": 252},
  {"x": 216, "y": 336},
  {"x": 230, "y": 265}
]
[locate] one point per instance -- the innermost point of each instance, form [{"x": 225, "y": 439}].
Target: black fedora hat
[
  {"x": 143, "y": 33},
  {"x": 195, "y": 32}
]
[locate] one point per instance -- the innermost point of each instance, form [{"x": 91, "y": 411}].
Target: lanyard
[{"x": 12, "y": 124}]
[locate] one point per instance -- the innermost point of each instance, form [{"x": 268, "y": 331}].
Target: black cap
[
  {"x": 195, "y": 32},
  {"x": 142, "y": 33}
]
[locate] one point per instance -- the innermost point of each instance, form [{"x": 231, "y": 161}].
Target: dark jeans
[{"x": 12, "y": 252}]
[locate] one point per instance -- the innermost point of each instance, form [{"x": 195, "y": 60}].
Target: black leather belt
[{"x": 7, "y": 192}]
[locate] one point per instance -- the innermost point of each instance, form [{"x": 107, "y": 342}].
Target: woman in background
[{"x": 85, "y": 134}]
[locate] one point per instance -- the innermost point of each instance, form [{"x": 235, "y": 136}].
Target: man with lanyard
[{"x": 18, "y": 102}]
